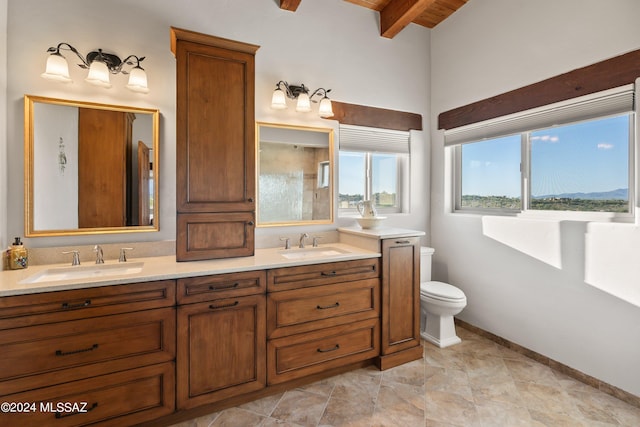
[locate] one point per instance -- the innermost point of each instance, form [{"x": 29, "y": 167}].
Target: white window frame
[{"x": 595, "y": 106}]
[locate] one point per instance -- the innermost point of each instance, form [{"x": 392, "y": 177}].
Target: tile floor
[{"x": 475, "y": 383}]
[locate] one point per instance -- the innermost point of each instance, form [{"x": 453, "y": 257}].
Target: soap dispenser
[{"x": 17, "y": 256}]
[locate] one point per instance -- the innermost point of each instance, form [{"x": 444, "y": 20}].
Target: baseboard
[{"x": 625, "y": 396}]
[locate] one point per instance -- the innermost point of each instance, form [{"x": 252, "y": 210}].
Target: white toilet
[{"x": 439, "y": 302}]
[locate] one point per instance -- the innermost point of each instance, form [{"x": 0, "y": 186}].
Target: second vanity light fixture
[
  {"x": 301, "y": 93},
  {"x": 100, "y": 65}
]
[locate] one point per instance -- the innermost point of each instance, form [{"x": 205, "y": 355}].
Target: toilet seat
[{"x": 441, "y": 291}]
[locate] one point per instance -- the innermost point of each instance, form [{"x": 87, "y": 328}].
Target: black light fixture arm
[
  {"x": 293, "y": 91},
  {"x": 113, "y": 62},
  {"x": 67, "y": 46},
  {"x": 322, "y": 92}
]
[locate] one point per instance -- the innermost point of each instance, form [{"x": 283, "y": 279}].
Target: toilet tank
[{"x": 425, "y": 263}]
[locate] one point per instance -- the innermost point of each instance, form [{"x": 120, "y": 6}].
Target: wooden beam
[
  {"x": 362, "y": 115},
  {"x": 399, "y": 13},
  {"x": 607, "y": 74},
  {"x": 290, "y": 5}
]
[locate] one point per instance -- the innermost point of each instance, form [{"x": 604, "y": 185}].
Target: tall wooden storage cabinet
[
  {"x": 215, "y": 147},
  {"x": 400, "y": 341}
]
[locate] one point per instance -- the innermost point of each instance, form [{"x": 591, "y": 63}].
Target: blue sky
[
  {"x": 586, "y": 157},
  {"x": 351, "y": 177}
]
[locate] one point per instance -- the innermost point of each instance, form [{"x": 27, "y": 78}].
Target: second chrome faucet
[
  {"x": 99, "y": 255},
  {"x": 302, "y": 237}
]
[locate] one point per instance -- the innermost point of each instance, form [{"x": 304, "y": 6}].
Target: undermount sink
[
  {"x": 306, "y": 253},
  {"x": 77, "y": 272}
]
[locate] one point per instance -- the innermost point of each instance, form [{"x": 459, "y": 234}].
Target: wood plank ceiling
[{"x": 397, "y": 14}]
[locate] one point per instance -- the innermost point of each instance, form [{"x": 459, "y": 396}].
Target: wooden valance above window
[
  {"x": 607, "y": 74},
  {"x": 363, "y": 115}
]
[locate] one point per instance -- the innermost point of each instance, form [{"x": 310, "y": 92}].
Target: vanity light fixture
[
  {"x": 284, "y": 90},
  {"x": 99, "y": 64}
]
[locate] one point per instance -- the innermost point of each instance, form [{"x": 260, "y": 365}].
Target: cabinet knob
[
  {"x": 250, "y": 200},
  {"x": 250, "y": 223}
]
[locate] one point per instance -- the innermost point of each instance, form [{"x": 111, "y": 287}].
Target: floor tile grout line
[{"x": 593, "y": 382}]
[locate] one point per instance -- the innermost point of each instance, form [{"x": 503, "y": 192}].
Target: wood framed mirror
[
  {"x": 295, "y": 175},
  {"x": 89, "y": 168}
]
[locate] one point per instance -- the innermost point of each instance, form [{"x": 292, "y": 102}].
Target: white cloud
[
  {"x": 605, "y": 146},
  {"x": 545, "y": 138}
]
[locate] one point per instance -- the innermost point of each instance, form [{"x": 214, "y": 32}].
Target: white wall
[
  {"x": 568, "y": 290},
  {"x": 4, "y": 176},
  {"x": 55, "y": 191},
  {"x": 328, "y": 43}
]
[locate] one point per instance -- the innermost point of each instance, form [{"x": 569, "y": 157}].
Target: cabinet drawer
[
  {"x": 307, "y": 309},
  {"x": 208, "y": 288},
  {"x": 280, "y": 279},
  {"x": 25, "y": 310},
  {"x": 134, "y": 396},
  {"x": 305, "y": 354},
  {"x": 116, "y": 342}
]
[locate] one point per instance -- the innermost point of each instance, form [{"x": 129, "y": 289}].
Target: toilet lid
[{"x": 441, "y": 290}]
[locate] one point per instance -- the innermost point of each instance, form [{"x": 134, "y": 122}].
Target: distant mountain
[{"x": 619, "y": 194}]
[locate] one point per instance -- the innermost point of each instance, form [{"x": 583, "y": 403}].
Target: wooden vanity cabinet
[
  {"x": 321, "y": 316},
  {"x": 221, "y": 337},
  {"x": 400, "y": 316},
  {"x": 111, "y": 348},
  {"x": 215, "y": 146}
]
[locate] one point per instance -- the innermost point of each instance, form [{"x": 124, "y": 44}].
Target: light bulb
[
  {"x": 325, "y": 109},
  {"x": 304, "y": 104},
  {"x": 278, "y": 100},
  {"x": 138, "y": 80},
  {"x": 57, "y": 69},
  {"x": 98, "y": 74}
]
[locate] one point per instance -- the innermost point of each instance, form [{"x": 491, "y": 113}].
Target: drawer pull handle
[
  {"x": 82, "y": 350},
  {"x": 214, "y": 307},
  {"x": 337, "y": 346},
  {"x": 402, "y": 242},
  {"x": 68, "y": 306},
  {"x": 83, "y": 411},
  {"x": 217, "y": 288},
  {"x": 324, "y": 307},
  {"x": 329, "y": 274}
]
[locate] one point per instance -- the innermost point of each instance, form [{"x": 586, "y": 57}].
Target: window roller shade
[
  {"x": 378, "y": 140},
  {"x": 610, "y": 102}
]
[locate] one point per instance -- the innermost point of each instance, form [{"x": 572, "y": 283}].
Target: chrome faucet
[
  {"x": 302, "y": 237},
  {"x": 123, "y": 254},
  {"x": 287, "y": 242},
  {"x": 99, "y": 257},
  {"x": 76, "y": 257}
]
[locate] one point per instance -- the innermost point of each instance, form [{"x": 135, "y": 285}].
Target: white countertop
[
  {"x": 382, "y": 232},
  {"x": 166, "y": 267}
]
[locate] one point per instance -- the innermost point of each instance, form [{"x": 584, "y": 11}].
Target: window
[
  {"x": 522, "y": 163},
  {"x": 490, "y": 172},
  {"x": 373, "y": 165}
]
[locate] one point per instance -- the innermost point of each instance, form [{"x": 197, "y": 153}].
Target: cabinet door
[
  {"x": 221, "y": 349},
  {"x": 215, "y": 119},
  {"x": 401, "y": 296},
  {"x": 214, "y": 235}
]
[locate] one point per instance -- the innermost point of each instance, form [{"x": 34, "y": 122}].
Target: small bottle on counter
[{"x": 17, "y": 256}]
